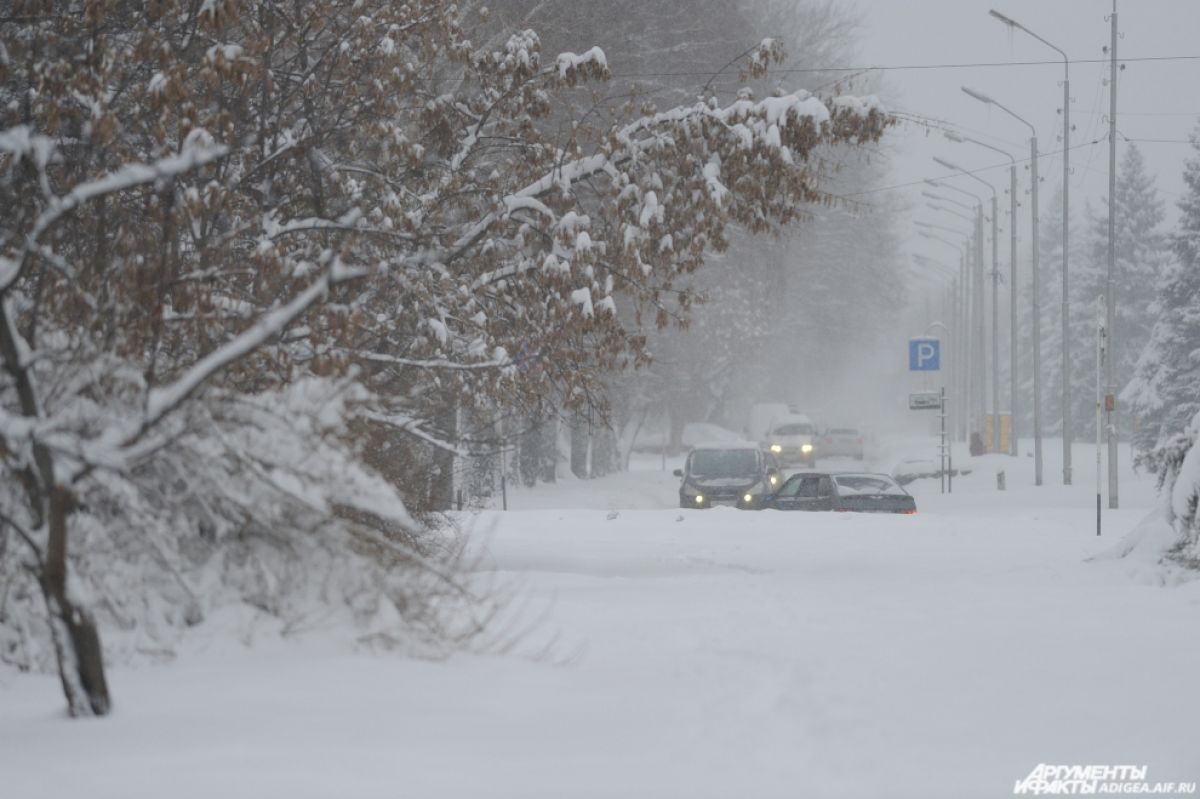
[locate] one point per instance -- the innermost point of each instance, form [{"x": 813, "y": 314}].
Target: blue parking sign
[{"x": 924, "y": 354}]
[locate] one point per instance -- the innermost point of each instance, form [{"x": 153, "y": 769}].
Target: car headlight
[
  {"x": 747, "y": 497},
  {"x": 699, "y": 499},
  {"x": 774, "y": 479},
  {"x": 806, "y": 448},
  {"x": 776, "y": 448}
]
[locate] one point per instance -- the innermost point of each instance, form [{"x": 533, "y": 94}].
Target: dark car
[
  {"x": 738, "y": 474},
  {"x": 860, "y": 493}
]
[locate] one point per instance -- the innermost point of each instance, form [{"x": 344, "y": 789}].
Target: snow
[
  {"x": 223, "y": 53},
  {"x": 567, "y": 62},
  {"x": 1183, "y": 495},
  {"x": 687, "y": 653},
  {"x": 158, "y": 84},
  {"x": 607, "y": 304},
  {"x": 861, "y": 106},
  {"x": 583, "y": 298},
  {"x": 651, "y": 210}
]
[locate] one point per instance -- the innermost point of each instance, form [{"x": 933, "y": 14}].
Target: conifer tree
[
  {"x": 1165, "y": 391},
  {"x": 1142, "y": 255}
]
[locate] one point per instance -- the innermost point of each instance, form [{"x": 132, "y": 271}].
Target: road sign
[
  {"x": 925, "y": 401},
  {"x": 924, "y": 354}
]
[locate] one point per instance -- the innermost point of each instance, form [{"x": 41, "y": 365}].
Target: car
[
  {"x": 843, "y": 441},
  {"x": 738, "y": 474},
  {"x": 858, "y": 492},
  {"x": 792, "y": 439}
]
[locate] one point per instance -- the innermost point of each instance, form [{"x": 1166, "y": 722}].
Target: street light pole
[
  {"x": 962, "y": 385},
  {"x": 1012, "y": 279},
  {"x": 944, "y": 210},
  {"x": 995, "y": 446},
  {"x": 977, "y": 381},
  {"x": 941, "y": 198},
  {"x": 1066, "y": 215},
  {"x": 1110, "y": 294},
  {"x": 1035, "y": 281},
  {"x": 963, "y": 372}
]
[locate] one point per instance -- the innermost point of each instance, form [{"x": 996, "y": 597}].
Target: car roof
[
  {"x": 791, "y": 418},
  {"x": 719, "y": 445},
  {"x": 864, "y": 474}
]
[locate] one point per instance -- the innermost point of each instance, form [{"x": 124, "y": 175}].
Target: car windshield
[
  {"x": 867, "y": 484},
  {"x": 843, "y": 431},
  {"x": 793, "y": 430},
  {"x": 724, "y": 462}
]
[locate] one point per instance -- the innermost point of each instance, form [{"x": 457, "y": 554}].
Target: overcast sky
[{"x": 1156, "y": 99}]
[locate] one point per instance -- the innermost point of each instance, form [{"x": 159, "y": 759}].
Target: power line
[
  {"x": 1097, "y": 119},
  {"x": 1156, "y": 141},
  {"x": 1145, "y": 113},
  {"x": 899, "y": 67},
  {"x": 971, "y": 171}
]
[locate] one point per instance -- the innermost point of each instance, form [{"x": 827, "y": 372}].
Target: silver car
[
  {"x": 793, "y": 440},
  {"x": 842, "y": 442}
]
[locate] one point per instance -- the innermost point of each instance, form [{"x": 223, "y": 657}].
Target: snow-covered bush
[
  {"x": 261, "y": 500},
  {"x": 1165, "y": 391},
  {"x": 1181, "y": 458}
]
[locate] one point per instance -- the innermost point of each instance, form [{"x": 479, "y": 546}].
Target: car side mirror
[{"x": 678, "y": 472}]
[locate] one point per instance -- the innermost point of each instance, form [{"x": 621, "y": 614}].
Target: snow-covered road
[{"x": 691, "y": 654}]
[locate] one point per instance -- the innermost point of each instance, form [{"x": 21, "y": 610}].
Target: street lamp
[
  {"x": 995, "y": 301},
  {"x": 1035, "y": 280},
  {"x": 972, "y": 288},
  {"x": 1012, "y": 334},
  {"x": 963, "y": 346},
  {"x": 930, "y": 226},
  {"x": 1066, "y": 213},
  {"x": 941, "y": 198},
  {"x": 941, "y": 209}
]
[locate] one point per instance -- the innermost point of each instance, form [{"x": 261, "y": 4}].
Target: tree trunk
[
  {"x": 442, "y": 494},
  {"x": 75, "y": 637},
  {"x": 580, "y": 443},
  {"x": 676, "y": 422},
  {"x": 73, "y": 630}
]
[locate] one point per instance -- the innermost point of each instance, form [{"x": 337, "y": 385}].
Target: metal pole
[
  {"x": 1011, "y": 23},
  {"x": 980, "y": 322},
  {"x": 1111, "y": 299},
  {"x": 1099, "y": 400},
  {"x": 965, "y": 388},
  {"x": 503, "y": 465},
  {"x": 949, "y": 466},
  {"x": 995, "y": 327},
  {"x": 1014, "y": 448},
  {"x": 1066, "y": 297},
  {"x": 944, "y": 468},
  {"x": 964, "y": 391},
  {"x": 1037, "y": 318},
  {"x": 960, "y": 409}
]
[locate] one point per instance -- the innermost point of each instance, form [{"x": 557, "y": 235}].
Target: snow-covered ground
[{"x": 681, "y": 653}]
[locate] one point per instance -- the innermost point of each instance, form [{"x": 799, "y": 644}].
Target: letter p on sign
[{"x": 924, "y": 355}]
